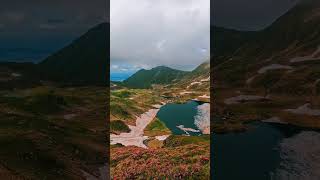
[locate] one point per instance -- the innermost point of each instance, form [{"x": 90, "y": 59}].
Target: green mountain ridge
[
  {"x": 197, "y": 79},
  {"x": 158, "y": 75},
  {"x": 171, "y": 77}
]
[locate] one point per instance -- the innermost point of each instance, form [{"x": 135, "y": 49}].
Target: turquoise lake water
[{"x": 174, "y": 115}]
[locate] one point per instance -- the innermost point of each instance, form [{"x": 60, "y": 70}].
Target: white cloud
[
  {"x": 160, "y": 45},
  {"x": 160, "y": 32},
  {"x": 114, "y": 67},
  {"x": 124, "y": 69}
]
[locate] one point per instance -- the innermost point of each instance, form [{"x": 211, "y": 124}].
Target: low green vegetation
[
  {"x": 127, "y": 104},
  {"x": 118, "y": 127},
  {"x": 45, "y": 102},
  {"x": 122, "y": 93},
  {"x": 156, "y": 128},
  {"x": 121, "y": 109},
  {"x": 23, "y": 156},
  {"x": 48, "y": 132},
  {"x": 177, "y": 140}
]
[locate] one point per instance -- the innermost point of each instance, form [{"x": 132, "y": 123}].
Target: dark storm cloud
[
  {"x": 47, "y": 24},
  {"x": 248, "y": 14},
  {"x": 29, "y": 14}
]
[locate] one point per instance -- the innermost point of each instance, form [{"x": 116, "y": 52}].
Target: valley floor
[{"x": 138, "y": 138}]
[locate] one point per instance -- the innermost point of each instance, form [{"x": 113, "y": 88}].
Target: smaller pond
[{"x": 180, "y": 118}]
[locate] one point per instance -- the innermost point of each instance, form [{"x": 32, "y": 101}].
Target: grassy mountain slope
[
  {"x": 198, "y": 79},
  {"x": 281, "y": 64},
  {"x": 227, "y": 41},
  {"x": 54, "y": 132},
  {"x": 83, "y": 61},
  {"x": 294, "y": 34},
  {"x": 158, "y": 75}
]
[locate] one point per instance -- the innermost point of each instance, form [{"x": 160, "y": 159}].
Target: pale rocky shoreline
[
  {"x": 135, "y": 137},
  {"x": 202, "y": 119},
  {"x": 300, "y": 157}
]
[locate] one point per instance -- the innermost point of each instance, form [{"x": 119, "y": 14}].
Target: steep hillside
[
  {"x": 198, "y": 79},
  {"x": 158, "y": 75},
  {"x": 85, "y": 60},
  {"x": 293, "y": 35},
  {"x": 227, "y": 41},
  {"x": 275, "y": 75}
]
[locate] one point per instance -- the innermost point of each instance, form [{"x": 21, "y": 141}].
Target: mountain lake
[{"x": 180, "y": 118}]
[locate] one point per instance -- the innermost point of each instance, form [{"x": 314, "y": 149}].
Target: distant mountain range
[
  {"x": 85, "y": 61},
  {"x": 167, "y": 76},
  {"x": 158, "y": 75}
]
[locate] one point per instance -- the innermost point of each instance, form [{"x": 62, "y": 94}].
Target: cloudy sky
[
  {"x": 148, "y": 33},
  {"x": 248, "y": 14},
  {"x": 32, "y": 29}
]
